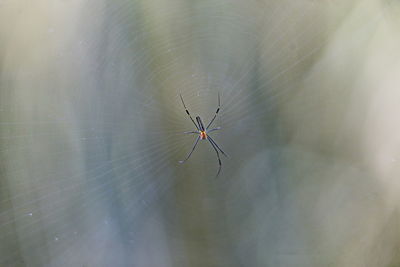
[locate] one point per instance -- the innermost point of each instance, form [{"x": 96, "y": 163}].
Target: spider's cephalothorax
[{"x": 203, "y": 133}]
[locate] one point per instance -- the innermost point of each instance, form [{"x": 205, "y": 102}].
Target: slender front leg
[
  {"x": 188, "y": 156},
  {"x": 219, "y": 160},
  {"x": 212, "y": 141}
]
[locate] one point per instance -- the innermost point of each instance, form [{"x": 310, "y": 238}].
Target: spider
[{"x": 203, "y": 133}]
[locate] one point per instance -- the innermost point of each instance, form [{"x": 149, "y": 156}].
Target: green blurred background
[{"x": 91, "y": 133}]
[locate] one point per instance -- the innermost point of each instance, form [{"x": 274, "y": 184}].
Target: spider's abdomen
[{"x": 203, "y": 135}]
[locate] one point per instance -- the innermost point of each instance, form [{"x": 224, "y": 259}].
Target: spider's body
[{"x": 203, "y": 133}]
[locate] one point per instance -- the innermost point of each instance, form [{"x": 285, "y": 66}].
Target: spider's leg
[
  {"x": 187, "y": 112},
  {"x": 219, "y": 160},
  {"x": 216, "y": 112},
  {"x": 191, "y": 132},
  {"x": 212, "y": 141},
  {"x": 188, "y": 156},
  {"x": 215, "y": 129}
]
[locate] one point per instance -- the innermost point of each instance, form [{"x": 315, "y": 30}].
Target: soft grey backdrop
[{"x": 91, "y": 133}]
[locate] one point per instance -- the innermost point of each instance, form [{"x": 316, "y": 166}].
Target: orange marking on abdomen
[{"x": 203, "y": 135}]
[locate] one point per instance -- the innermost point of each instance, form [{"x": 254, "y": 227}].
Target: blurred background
[{"x": 91, "y": 130}]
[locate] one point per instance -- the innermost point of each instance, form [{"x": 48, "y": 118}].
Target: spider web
[{"x": 91, "y": 130}]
